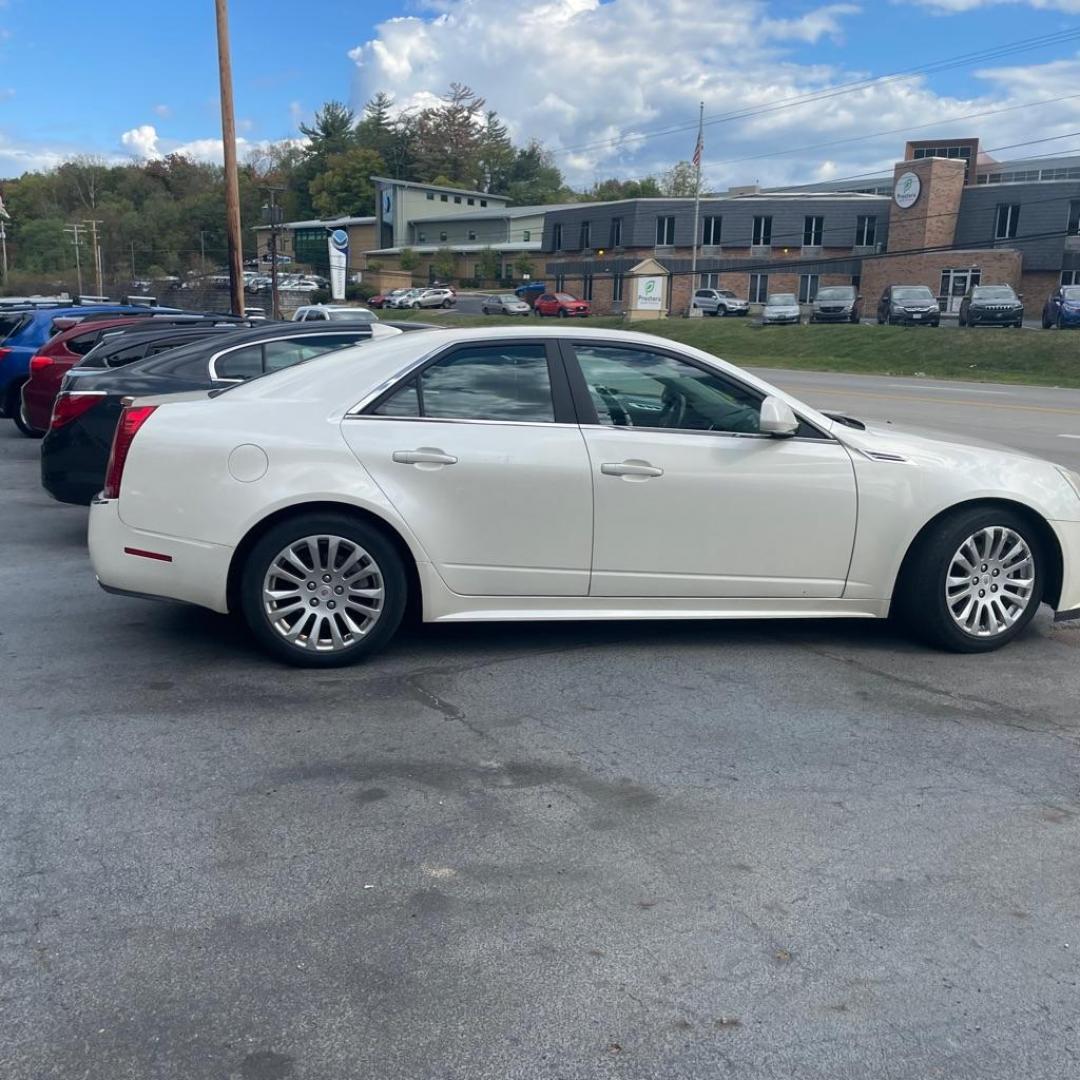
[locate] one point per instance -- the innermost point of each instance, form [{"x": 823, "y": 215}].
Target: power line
[{"x": 962, "y": 60}]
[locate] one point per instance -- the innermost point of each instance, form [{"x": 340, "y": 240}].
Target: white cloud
[
  {"x": 577, "y": 73},
  {"x": 142, "y": 141},
  {"x": 164, "y": 111},
  {"x": 953, "y": 7}
]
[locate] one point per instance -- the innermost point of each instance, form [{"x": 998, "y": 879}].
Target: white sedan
[{"x": 510, "y": 474}]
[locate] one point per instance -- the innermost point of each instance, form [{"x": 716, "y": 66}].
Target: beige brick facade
[
  {"x": 931, "y": 221},
  {"x": 1000, "y": 267}
]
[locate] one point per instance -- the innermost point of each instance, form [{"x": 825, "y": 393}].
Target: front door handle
[
  {"x": 424, "y": 455},
  {"x": 631, "y": 468}
]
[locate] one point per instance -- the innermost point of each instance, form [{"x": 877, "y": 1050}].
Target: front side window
[
  {"x": 762, "y": 231},
  {"x": 665, "y": 231},
  {"x": 813, "y": 228},
  {"x": 1006, "y": 221},
  {"x": 637, "y": 387},
  {"x": 498, "y": 382}
]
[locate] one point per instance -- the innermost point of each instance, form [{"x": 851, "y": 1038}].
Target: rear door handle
[
  {"x": 424, "y": 456},
  {"x": 631, "y": 468}
]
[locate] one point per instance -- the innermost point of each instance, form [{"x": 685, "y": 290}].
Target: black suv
[
  {"x": 908, "y": 305},
  {"x": 991, "y": 305}
]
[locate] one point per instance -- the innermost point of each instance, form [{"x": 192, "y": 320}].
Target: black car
[
  {"x": 908, "y": 305},
  {"x": 991, "y": 305},
  {"x": 75, "y": 452}
]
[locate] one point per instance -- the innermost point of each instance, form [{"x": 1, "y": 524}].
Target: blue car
[
  {"x": 1062, "y": 308},
  {"x": 24, "y": 329}
]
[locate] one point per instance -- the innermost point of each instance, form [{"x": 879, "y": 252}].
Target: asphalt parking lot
[{"x": 757, "y": 850}]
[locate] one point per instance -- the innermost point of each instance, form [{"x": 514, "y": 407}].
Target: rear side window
[
  {"x": 509, "y": 383},
  {"x": 82, "y": 344},
  {"x": 9, "y": 324},
  {"x": 282, "y": 354},
  {"x": 243, "y": 363}
]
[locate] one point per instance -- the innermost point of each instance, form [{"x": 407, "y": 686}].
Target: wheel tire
[
  {"x": 920, "y": 600},
  {"x": 22, "y": 421},
  {"x": 415, "y": 305},
  {"x": 448, "y": 303},
  {"x": 379, "y": 548},
  {"x": 1061, "y": 322},
  {"x": 1046, "y": 324},
  {"x": 961, "y": 321}
]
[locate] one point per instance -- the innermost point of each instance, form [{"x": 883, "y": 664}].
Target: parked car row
[{"x": 433, "y": 296}]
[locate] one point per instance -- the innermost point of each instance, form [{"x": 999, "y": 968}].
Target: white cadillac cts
[{"x": 565, "y": 474}]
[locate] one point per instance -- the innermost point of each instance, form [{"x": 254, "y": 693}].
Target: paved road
[{"x": 799, "y": 850}]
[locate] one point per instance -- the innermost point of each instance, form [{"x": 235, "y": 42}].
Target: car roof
[{"x": 162, "y": 333}]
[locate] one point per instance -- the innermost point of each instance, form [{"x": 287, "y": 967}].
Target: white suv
[
  {"x": 432, "y": 298},
  {"x": 719, "y": 302}
]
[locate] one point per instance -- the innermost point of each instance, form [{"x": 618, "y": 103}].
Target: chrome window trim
[
  {"x": 294, "y": 336},
  {"x": 457, "y": 420}
]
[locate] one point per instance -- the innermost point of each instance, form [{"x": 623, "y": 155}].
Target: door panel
[
  {"x": 512, "y": 516},
  {"x": 729, "y": 516}
]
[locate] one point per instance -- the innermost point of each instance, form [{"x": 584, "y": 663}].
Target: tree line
[{"x": 165, "y": 216}]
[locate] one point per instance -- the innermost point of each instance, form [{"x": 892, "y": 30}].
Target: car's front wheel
[
  {"x": 974, "y": 580},
  {"x": 323, "y": 590}
]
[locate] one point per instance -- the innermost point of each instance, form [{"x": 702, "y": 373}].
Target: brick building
[{"x": 948, "y": 217}]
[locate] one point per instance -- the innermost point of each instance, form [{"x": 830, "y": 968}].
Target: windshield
[
  {"x": 727, "y": 294},
  {"x": 564, "y": 296},
  {"x": 1071, "y": 292},
  {"x": 509, "y": 298},
  {"x": 357, "y": 315},
  {"x": 784, "y": 299},
  {"x": 993, "y": 292},
  {"x": 836, "y": 292},
  {"x": 912, "y": 292}
]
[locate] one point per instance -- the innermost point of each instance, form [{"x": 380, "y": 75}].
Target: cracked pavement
[{"x": 798, "y": 850}]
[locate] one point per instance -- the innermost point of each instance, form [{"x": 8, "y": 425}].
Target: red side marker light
[{"x": 148, "y": 554}]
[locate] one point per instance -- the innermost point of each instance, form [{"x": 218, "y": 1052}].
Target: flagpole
[{"x": 697, "y": 201}]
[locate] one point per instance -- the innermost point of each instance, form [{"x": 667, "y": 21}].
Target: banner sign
[
  {"x": 650, "y": 293},
  {"x": 339, "y": 262}
]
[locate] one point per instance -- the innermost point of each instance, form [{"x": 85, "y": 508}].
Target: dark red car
[
  {"x": 561, "y": 304},
  {"x": 64, "y": 350}
]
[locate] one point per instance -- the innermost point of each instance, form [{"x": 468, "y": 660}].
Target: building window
[
  {"x": 865, "y": 231},
  {"x": 560, "y": 283},
  {"x": 445, "y": 198},
  {"x": 472, "y": 234},
  {"x": 431, "y": 196},
  {"x": 856, "y": 282},
  {"x": 457, "y": 198},
  {"x": 616, "y": 287},
  {"x": 471, "y": 202},
  {"x": 586, "y": 286},
  {"x": 1070, "y": 277},
  {"x": 483, "y": 202},
  {"x": 616, "y": 232},
  {"x": 586, "y": 236},
  {"x": 1005, "y": 221},
  {"x": 526, "y": 236},
  {"x": 963, "y": 152},
  {"x": 709, "y": 281},
  {"x": 442, "y": 236},
  {"x": 556, "y": 237},
  {"x": 710, "y": 232},
  {"x": 762, "y": 233},
  {"x": 759, "y": 288},
  {"x": 421, "y": 237},
  {"x": 813, "y": 227},
  {"x": 808, "y": 286},
  {"x": 1074, "y": 218},
  {"x": 665, "y": 231}
]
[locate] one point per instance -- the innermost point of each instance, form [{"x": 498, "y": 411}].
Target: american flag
[{"x": 698, "y": 148}]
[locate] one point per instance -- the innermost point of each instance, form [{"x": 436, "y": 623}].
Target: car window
[
  {"x": 836, "y": 292},
  {"x": 9, "y": 324},
  {"x": 1070, "y": 292},
  {"x": 283, "y": 354},
  {"x": 126, "y": 356},
  {"x": 243, "y": 363},
  {"x": 358, "y": 315},
  {"x": 82, "y": 344},
  {"x": 498, "y": 382},
  {"x": 633, "y": 387},
  {"x": 913, "y": 292}
]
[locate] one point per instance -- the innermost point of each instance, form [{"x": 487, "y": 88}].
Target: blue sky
[{"x": 75, "y": 77}]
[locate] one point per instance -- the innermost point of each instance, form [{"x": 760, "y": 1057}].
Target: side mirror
[{"x": 777, "y": 419}]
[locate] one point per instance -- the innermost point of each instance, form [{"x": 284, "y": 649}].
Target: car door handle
[
  {"x": 631, "y": 468},
  {"x": 424, "y": 456}
]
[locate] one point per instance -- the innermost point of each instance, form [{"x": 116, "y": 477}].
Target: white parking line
[{"x": 1069, "y": 436}]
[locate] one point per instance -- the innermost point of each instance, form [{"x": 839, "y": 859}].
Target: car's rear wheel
[
  {"x": 22, "y": 422},
  {"x": 323, "y": 590},
  {"x": 974, "y": 581},
  {"x": 448, "y": 303}
]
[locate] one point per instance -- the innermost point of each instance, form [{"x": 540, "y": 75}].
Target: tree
[
  {"x": 679, "y": 181},
  {"x": 343, "y": 187},
  {"x": 523, "y": 264},
  {"x": 449, "y": 138},
  {"x": 613, "y": 189},
  {"x": 444, "y": 264},
  {"x": 534, "y": 178},
  {"x": 408, "y": 260},
  {"x": 488, "y": 262},
  {"x": 333, "y": 131}
]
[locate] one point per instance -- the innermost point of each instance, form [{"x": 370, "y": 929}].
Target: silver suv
[{"x": 719, "y": 302}]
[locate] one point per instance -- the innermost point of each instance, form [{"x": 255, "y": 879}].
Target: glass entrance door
[{"x": 954, "y": 284}]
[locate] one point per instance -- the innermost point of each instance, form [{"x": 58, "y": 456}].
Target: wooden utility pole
[
  {"x": 232, "y": 183},
  {"x": 95, "y": 247},
  {"x": 76, "y": 238}
]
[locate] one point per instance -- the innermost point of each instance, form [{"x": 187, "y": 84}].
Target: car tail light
[
  {"x": 39, "y": 363},
  {"x": 131, "y": 419},
  {"x": 70, "y": 405},
  {"x": 3, "y": 353}
]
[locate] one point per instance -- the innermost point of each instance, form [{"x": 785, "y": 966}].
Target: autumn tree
[{"x": 344, "y": 187}]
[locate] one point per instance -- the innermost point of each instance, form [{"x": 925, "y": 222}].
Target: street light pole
[{"x": 232, "y": 182}]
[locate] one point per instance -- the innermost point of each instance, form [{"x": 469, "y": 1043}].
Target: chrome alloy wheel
[
  {"x": 323, "y": 593},
  {"x": 990, "y": 581}
]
